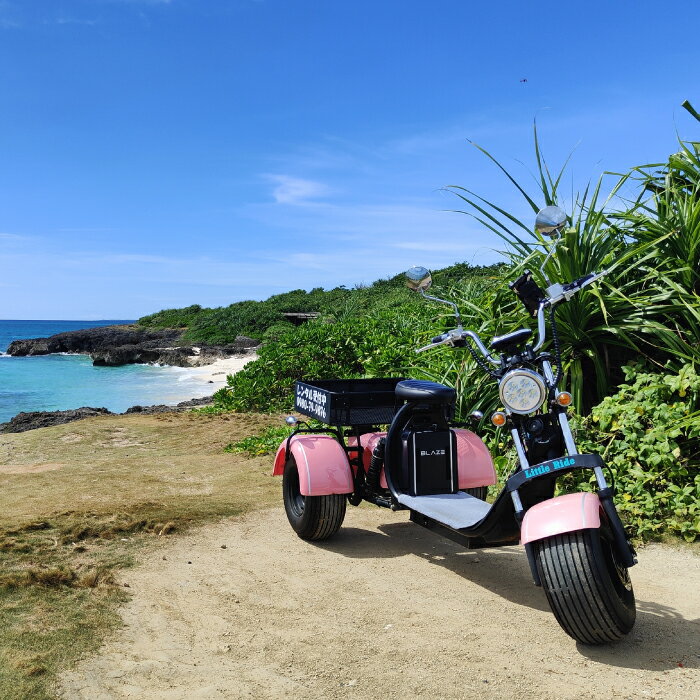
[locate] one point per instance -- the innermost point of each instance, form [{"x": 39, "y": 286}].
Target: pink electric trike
[{"x": 440, "y": 471}]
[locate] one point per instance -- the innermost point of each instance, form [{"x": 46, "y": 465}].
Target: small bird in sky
[{"x": 523, "y": 80}]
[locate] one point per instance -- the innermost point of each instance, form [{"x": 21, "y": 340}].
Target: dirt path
[{"x": 385, "y": 609}]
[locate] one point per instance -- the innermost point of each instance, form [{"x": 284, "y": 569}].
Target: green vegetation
[
  {"x": 264, "y": 320},
  {"x": 648, "y": 432}
]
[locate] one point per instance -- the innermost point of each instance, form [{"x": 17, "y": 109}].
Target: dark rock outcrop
[
  {"x": 162, "y": 408},
  {"x": 122, "y": 345},
  {"x": 179, "y": 356},
  {"x": 93, "y": 339},
  {"x": 43, "y": 419}
]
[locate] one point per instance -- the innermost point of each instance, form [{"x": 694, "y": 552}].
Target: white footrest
[{"x": 457, "y": 510}]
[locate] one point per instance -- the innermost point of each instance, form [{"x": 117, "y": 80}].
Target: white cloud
[{"x": 295, "y": 190}]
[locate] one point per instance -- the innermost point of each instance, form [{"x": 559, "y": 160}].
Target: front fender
[
  {"x": 323, "y": 465},
  {"x": 575, "y": 511}
]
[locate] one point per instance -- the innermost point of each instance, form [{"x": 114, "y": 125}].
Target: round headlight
[{"x": 522, "y": 391}]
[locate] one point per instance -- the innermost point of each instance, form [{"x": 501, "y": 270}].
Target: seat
[
  {"x": 426, "y": 392},
  {"x": 511, "y": 340}
]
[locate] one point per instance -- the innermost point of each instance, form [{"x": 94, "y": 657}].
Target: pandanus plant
[{"x": 646, "y": 307}]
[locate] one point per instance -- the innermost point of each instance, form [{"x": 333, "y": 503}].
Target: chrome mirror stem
[
  {"x": 449, "y": 303},
  {"x": 546, "y": 260}
]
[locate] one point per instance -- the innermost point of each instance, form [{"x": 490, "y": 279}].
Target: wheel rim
[{"x": 294, "y": 497}]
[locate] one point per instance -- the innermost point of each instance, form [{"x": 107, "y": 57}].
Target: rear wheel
[
  {"x": 311, "y": 517},
  {"x": 588, "y": 589}
]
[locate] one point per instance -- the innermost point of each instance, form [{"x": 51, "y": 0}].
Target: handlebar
[
  {"x": 558, "y": 293},
  {"x": 459, "y": 335},
  {"x": 555, "y": 294}
]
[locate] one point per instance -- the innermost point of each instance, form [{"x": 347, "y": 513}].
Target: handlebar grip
[{"x": 584, "y": 279}]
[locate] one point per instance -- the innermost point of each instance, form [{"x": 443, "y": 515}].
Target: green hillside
[{"x": 264, "y": 320}]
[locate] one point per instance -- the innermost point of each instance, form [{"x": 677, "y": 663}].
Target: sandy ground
[
  {"x": 213, "y": 376},
  {"x": 245, "y": 609}
]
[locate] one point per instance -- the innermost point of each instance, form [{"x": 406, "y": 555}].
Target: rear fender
[
  {"x": 322, "y": 463},
  {"x": 474, "y": 463},
  {"x": 555, "y": 516}
]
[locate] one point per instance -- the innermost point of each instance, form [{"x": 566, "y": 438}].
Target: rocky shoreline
[
  {"x": 32, "y": 420},
  {"x": 112, "y": 346}
]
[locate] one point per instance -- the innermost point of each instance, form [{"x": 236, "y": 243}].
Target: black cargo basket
[{"x": 347, "y": 401}]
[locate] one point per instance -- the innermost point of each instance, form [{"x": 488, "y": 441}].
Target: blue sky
[{"x": 159, "y": 153}]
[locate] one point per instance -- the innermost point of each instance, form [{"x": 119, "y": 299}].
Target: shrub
[{"x": 648, "y": 433}]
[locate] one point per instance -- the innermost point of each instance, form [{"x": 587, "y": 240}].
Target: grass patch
[
  {"x": 265, "y": 443},
  {"x": 123, "y": 483}
]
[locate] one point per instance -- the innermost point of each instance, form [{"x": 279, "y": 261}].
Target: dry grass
[{"x": 123, "y": 483}]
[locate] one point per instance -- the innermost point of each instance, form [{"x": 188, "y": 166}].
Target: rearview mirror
[
  {"x": 418, "y": 279},
  {"x": 550, "y": 221}
]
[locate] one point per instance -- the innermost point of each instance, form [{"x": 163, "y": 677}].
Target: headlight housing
[{"x": 522, "y": 391}]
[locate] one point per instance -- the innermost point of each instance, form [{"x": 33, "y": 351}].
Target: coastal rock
[
  {"x": 43, "y": 419},
  {"x": 162, "y": 408},
  {"x": 93, "y": 339},
  {"x": 112, "y": 346},
  {"x": 139, "y": 354}
]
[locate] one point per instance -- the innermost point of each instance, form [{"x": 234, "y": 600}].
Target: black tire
[
  {"x": 311, "y": 517},
  {"x": 479, "y": 492},
  {"x": 589, "y": 591}
]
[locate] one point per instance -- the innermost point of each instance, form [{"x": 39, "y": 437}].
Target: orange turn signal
[
  {"x": 564, "y": 398},
  {"x": 498, "y": 419}
]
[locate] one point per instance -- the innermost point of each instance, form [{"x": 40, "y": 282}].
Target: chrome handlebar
[
  {"x": 459, "y": 334},
  {"x": 556, "y": 293}
]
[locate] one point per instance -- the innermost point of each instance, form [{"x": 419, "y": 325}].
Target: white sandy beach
[{"x": 212, "y": 377}]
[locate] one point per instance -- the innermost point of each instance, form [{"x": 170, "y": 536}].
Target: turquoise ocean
[{"x": 59, "y": 382}]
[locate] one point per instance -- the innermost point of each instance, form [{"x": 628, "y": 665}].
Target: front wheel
[
  {"x": 588, "y": 589},
  {"x": 311, "y": 517}
]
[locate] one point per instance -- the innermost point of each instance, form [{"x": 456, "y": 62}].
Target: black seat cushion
[
  {"x": 511, "y": 340},
  {"x": 430, "y": 392}
]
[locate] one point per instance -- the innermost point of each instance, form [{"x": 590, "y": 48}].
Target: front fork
[{"x": 605, "y": 493}]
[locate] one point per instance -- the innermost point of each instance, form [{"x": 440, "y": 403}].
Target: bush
[
  {"x": 361, "y": 347},
  {"x": 648, "y": 433}
]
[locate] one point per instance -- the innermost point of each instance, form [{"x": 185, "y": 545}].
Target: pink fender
[
  {"x": 575, "y": 511},
  {"x": 322, "y": 463},
  {"x": 474, "y": 463}
]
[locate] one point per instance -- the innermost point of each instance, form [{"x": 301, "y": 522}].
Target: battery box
[{"x": 429, "y": 464}]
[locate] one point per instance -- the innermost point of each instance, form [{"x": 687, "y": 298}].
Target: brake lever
[
  {"x": 589, "y": 279},
  {"x": 559, "y": 292},
  {"x": 447, "y": 341},
  {"x": 448, "y": 338}
]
